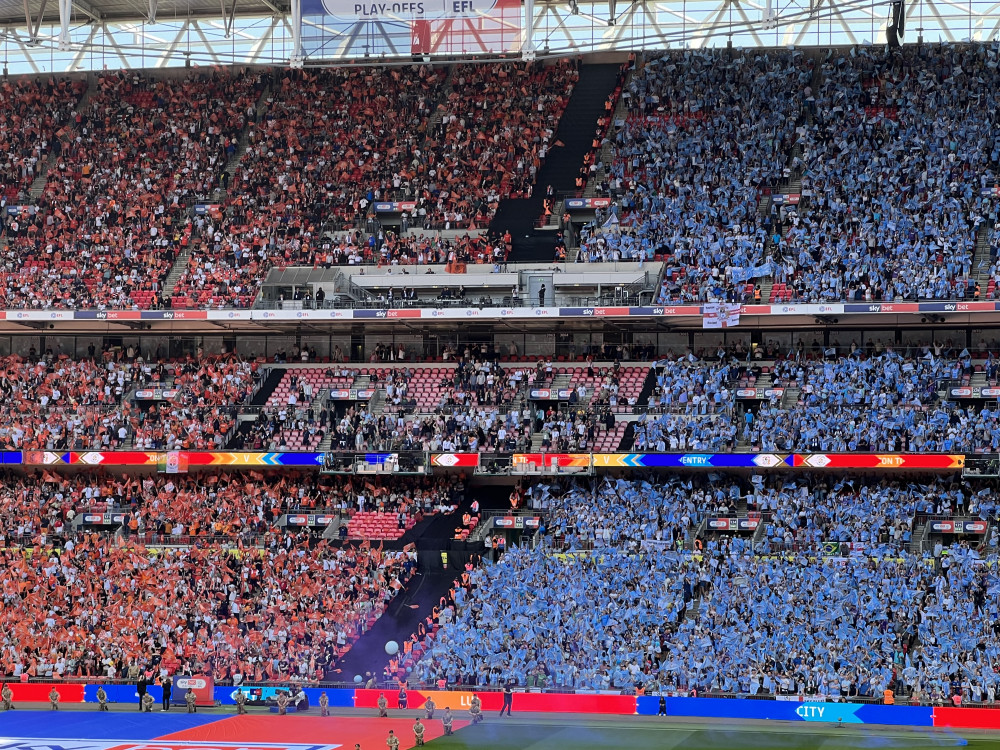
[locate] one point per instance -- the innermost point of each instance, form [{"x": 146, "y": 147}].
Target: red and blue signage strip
[
  {"x": 829, "y": 713},
  {"x": 394, "y": 207},
  {"x": 38, "y": 692},
  {"x": 250, "y": 459},
  {"x": 583, "y": 703},
  {"x": 967, "y": 718},
  {"x": 666, "y": 310},
  {"x": 586, "y": 204}
]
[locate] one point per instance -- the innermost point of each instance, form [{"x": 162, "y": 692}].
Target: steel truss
[{"x": 84, "y": 41}]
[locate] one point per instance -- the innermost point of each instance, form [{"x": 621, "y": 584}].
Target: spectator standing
[{"x": 508, "y": 699}]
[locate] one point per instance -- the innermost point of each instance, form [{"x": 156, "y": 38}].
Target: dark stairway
[
  {"x": 267, "y": 387},
  {"x": 576, "y": 131},
  {"x": 424, "y": 590},
  {"x": 259, "y": 399},
  {"x": 398, "y": 623}
]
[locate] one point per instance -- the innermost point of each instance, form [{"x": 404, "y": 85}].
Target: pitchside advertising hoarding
[
  {"x": 202, "y": 685},
  {"x": 784, "y": 708},
  {"x": 790, "y": 710},
  {"x": 527, "y": 702}
]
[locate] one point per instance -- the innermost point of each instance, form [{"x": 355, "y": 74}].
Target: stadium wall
[{"x": 582, "y": 703}]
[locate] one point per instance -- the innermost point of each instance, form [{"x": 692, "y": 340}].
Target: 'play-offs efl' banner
[
  {"x": 394, "y": 10},
  {"x": 345, "y": 29}
]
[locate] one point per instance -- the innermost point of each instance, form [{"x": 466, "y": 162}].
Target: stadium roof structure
[{"x": 42, "y": 36}]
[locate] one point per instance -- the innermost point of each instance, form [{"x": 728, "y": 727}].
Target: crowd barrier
[{"x": 581, "y": 703}]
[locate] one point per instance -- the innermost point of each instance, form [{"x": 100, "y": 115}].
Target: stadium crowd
[
  {"x": 314, "y": 151},
  {"x": 683, "y": 194},
  {"x": 879, "y": 399},
  {"x": 867, "y": 616},
  {"x": 879, "y": 402},
  {"x": 106, "y": 232},
  {"x": 93, "y": 607},
  {"x": 893, "y": 165},
  {"x": 53, "y": 403},
  {"x": 34, "y": 113},
  {"x": 41, "y": 508},
  {"x": 496, "y": 128},
  {"x": 889, "y": 150}
]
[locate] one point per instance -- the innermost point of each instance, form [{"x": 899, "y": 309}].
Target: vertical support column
[
  {"x": 65, "y": 16},
  {"x": 528, "y": 43},
  {"x": 295, "y": 60}
]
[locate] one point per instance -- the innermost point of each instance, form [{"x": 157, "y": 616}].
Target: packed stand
[
  {"x": 692, "y": 405},
  {"x": 853, "y": 622},
  {"x": 210, "y": 609},
  {"x": 163, "y": 144},
  {"x": 190, "y": 508},
  {"x": 497, "y": 126},
  {"x": 877, "y": 517},
  {"x": 203, "y": 414},
  {"x": 327, "y": 145},
  {"x": 884, "y": 402},
  {"x": 893, "y": 169},
  {"x": 34, "y": 116},
  {"x": 684, "y": 195},
  {"x": 52, "y": 402}
]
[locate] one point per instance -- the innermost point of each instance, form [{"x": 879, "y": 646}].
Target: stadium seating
[
  {"x": 700, "y": 215},
  {"x": 377, "y": 526},
  {"x": 272, "y": 642},
  {"x": 831, "y": 203},
  {"x": 779, "y": 176},
  {"x": 838, "y": 621},
  {"x": 164, "y": 147},
  {"x": 36, "y": 114}
]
